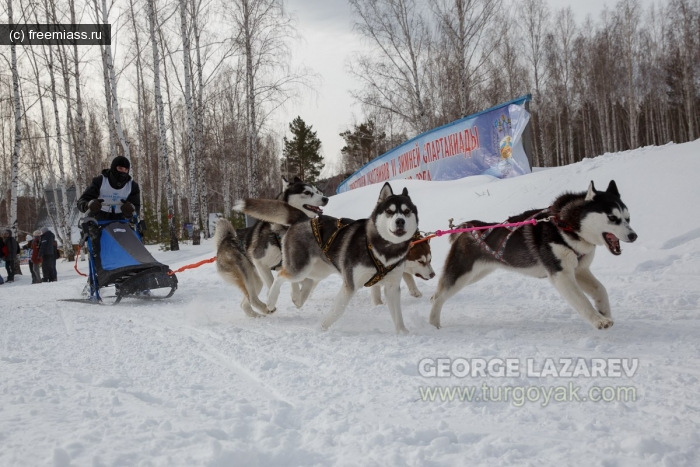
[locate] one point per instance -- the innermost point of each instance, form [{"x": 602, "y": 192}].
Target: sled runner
[{"x": 119, "y": 259}]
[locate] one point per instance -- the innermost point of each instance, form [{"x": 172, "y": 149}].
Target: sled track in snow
[{"x": 212, "y": 354}]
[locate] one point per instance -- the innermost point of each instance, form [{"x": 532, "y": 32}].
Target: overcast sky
[{"x": 326, "y": 26}]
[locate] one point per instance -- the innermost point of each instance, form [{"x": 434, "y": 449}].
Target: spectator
[
  {"x": 10, "y": 250},
  {"x": 2, "y": 248},
  {"x": 34, "y": 263},
  {"x": 47, "y": 255}
]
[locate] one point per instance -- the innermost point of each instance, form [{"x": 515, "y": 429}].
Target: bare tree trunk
[
  {"x": 113, "y": 87},
  {"x": 17, "y": 149},
  {"x": 162, "y": 137},
  {"x": 62, "y": 206},
  {"x": 47, "y": 144},
  {"x": 108, "y": 94},
  {"x": 138, "y": 154},
  {"x": 175, "y": 168},
  {"x": 194, "y": 195},
  {"x": 81, "y": 175},
  {"x": 252, "y": 142},
  {"x": 63, "y": 59},
  {"x": 616, "y": 148},
  {"x": 203, "y": 198}
]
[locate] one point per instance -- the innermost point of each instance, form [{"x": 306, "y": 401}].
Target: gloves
[
  {"x": 127, "y": 209},
  {"x": 95, "y": 205}
]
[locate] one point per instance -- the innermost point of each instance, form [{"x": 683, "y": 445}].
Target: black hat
[{"x": 120, "y": 161}]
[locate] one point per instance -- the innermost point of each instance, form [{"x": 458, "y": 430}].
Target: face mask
[
  {"x": 122, "y": 177},
  {"x": 118, "y": 178}
]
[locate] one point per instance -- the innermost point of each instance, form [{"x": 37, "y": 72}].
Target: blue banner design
[{"x": 486, "y": 143}]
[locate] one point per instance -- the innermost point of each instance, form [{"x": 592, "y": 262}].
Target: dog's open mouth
[
  {"x": 613, "y": 243},
  {"x": 424, "y": 278},
  {"x": 399, "y": 232},
  {"x": 315, "y": 209}
]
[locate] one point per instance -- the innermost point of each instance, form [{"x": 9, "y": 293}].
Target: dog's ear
[
  {"x": 385, "y": 193},
  {"x": 297, "y": 180},
  {"x": 612, "y": 189},
  {"x": 404, "y": 192},
  {"x": 591, "y": 191},
  {"x": 285, "y": 183}
]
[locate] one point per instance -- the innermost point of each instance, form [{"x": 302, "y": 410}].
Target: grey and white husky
[
  {"x": 246, "y": 257},
  {"x": 561, "y": 249},
  {"x": 364, "y": 252}
]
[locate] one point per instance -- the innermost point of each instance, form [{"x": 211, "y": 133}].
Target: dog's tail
[
  {"x": 224, "y": 229},
  {"x": 271, "y": 210}
]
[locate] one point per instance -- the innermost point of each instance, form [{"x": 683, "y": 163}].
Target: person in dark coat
[
  {"x": 47, "y": 255},
  {"x": 113, "y": 195},
  {"x": 10, "y": 249}
]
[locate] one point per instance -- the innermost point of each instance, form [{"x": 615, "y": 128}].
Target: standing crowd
[{"x": 43, "y": 251}]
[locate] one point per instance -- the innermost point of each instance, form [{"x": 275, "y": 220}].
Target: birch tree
[
  {"x": 162, "y": 137},
  {"x": 17, "y": 148},
  {"x": 62, "y": 205},
  {"x": 465, "y": 24},
  {"x": 395, "y": 77},
  {"x": 108, "y": 65},
  {"x": 263, "y": 33},
  {"x": 534, "y": 19},
  {"x": 81, "y": 176},
  {"x": 193, "y": 207},
  {"x": 628, "y": 20}
]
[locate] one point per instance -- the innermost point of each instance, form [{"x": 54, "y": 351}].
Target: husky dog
[
  {"x": 418, "y": 263},
  {"x": 561, "y": 247},
  {"x": 363, "y": 252},
  {"x": 246, "y": 257}
]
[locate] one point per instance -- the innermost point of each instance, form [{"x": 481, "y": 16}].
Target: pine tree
[
  {"x": 362, "y": 145},
  {"x": 301, "y": 154}
]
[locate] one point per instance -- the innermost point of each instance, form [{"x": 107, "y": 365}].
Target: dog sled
[{"x": 118, "y": 259}]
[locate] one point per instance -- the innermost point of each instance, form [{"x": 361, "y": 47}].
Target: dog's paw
[
  {"x": 603, "y": 323},
  {"x": 323, "y": 328},
  {"x": 402, "y": 331},
  {"x": 435, "y": 323},
  {"x": 377, "y": 302},
  {"x": 297, "y": 302},
  {"x": 415, "y": 293}
]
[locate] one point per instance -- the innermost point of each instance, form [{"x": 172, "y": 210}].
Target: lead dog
[
  {"x": 561, "y": 249},
  {"x": 246, "y": 257},
  {"x": 363, "y": 252}
]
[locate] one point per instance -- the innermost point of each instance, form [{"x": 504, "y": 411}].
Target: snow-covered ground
[{"x": 193, "y": 381}]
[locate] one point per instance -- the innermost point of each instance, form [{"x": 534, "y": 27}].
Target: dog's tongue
[
  {"x": 315, "y": 209},
  {"x": 613, "y": 243}
]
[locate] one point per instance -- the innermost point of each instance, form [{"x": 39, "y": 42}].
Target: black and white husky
[
  {"x": 364, "y": 252},
  {"x": 246, "y": 257},
  {"x": 561, "y": 249}
]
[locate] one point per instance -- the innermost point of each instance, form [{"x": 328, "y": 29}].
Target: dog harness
[
  {"x": 498, "y": 253},
  {"x": 325, "y": 239}
]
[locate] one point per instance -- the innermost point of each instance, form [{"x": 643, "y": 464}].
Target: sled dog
[
  {"x": 560, "y": 249},
  {"x": 246, "y": 257},
  {"x": 418, "y": 263},
  {"x": 364, "y": 252}
]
